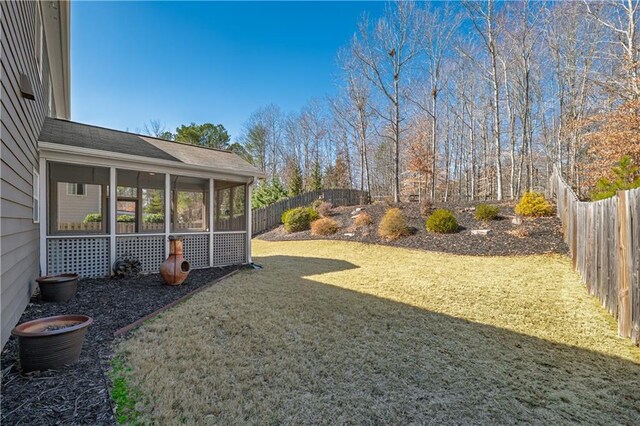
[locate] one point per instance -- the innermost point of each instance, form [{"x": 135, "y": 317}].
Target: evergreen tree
[
  {"x": 295, "y": 180},
  {"x": 315, "y": 181}
]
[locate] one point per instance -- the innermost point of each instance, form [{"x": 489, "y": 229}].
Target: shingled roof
[{"x": 69, "y": 133}]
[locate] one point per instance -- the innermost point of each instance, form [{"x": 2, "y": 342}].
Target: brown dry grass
[{"x": 337, "y": 332}]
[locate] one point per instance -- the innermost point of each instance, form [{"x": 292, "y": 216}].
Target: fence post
[{"x": 624, "y": 296}]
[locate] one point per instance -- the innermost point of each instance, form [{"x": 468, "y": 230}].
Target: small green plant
[
  {"x": 92, "y": 218},
  {"x": 533, "y": 204},
  {"x": 126, "y": 218},
  {"x": 154, "y": 218},
  {"x": 316, "y": 203},
  {"x": 442, "y": 221},
  {"x": 627, "y": 177},
  {"x": 298, "y": 219},
  {"x": 393, "y": 225},
  {"x": 324, "y": 226},
  {"x": 122, "y": 394},
  {"x": 487, "y": 212}
]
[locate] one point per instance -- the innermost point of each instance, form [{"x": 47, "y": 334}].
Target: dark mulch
[
  {"x": 79, "y": 394},
  {"x": 533, "y": 236}
]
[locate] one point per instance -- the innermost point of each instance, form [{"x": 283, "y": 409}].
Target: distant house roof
[{"x": 69, "y": 133}]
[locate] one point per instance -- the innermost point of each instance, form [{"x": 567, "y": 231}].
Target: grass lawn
[{"x": 336, "y": 332}]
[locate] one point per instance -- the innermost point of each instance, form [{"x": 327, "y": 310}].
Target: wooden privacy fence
[
  {"x": 604, "y": 243},
  {"x": 264, "y": 218}
]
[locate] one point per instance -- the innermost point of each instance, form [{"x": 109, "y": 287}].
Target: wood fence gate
[
  {"x": 604, "y": 243},
  {"x": 265, "y": 218}
]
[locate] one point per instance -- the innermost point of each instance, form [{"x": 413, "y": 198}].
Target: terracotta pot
[
  {"x": 58, "y": 288},
  {"x": 42, "y": 349},
  {"x": 175, "y": 269}
]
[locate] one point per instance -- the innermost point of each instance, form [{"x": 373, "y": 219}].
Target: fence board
[
  {"x": 268, "y": 217},
  {"x": 604, "y": 244}
]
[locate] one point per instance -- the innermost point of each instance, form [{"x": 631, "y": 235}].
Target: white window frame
[
  {"x": 36, "y": 195},
  {"x": 71, "y": 194}
]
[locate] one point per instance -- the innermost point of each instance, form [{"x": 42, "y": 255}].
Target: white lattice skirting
[
  {"x": 196, "y": 250},
  {"x": 148, "y": 250},
  {"x": 88, "y": 257},
  {"x": 229, "y": 249}
]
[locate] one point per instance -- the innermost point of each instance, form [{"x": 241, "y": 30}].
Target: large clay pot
[
  {"x": 175, "y": 269},
  {"x": 58, "y": 288},
  {"x": 51, "y": 343}
]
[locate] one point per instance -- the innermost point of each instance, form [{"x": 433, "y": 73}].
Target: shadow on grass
[{"x": 418, "y": 365}]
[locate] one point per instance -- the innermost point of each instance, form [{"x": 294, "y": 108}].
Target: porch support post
[
  {"x": 247, "y": 209},
  {"x": 211, "y": 222},
  {"x": 112, "y": 217},
  {"x": 167, "y": 213},
  {"x": 44, "y": 219}
]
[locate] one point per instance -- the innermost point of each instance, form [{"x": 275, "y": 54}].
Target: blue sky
[{"x": 183, "y": 62}]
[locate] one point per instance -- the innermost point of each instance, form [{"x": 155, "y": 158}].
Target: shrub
[
  {"x": 324, "y": 209},
  {"x": 533, "y": 204},
  {"x": 298, "y": 219},
  {"x": 316, "y": 203},
  {"x": 425, "y": 208},
  {"x": 442, "y": 221},
  {"x": 363, "y": 219},
  {"x": 126, "y": 218},
  {"x": 393, "y": 225},
  {"x": 486, "y": 212},
  {"x": 154, "y": 218},
  {"x": 324, "y": 226},
  {"x": 93, "y": 217}
]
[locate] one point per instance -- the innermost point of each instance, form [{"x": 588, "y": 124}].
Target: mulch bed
[
  {"x": 80, "y": 394},
  {"x": 534, "y": 236}
]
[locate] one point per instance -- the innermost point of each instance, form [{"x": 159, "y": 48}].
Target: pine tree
[
  {"x": 315, "y": 181},
  {"x": 295, "y": 181}
]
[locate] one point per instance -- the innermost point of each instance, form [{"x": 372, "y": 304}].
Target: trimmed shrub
[
  {"x": 533, "y": 204},
  {"x": 324, "y": 209},
  {"x": 92, "y": 218},
  {"x": 425, "y": 208},
  {"x": 442, "y": 221},
  {"x": 393, "y": 225},
  {"x": 487, "y": 212},
  {"x": 324, "y": 226},
  {"x": 154, "y": 218},
  {"x": 125, "y": 218},
  {"x": 363, "y": 219},
  {"x": 298, "y": 219}
]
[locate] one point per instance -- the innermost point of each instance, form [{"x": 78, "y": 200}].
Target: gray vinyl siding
[{"x": 21, "y": 123}]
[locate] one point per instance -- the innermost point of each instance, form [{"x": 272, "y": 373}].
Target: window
[
  {"x": 36, "y": 196},
  {"x": 78, "y": 199},
  {"x": 39, "y": 40},
  {"x": 230, "y": 212},
  {"x": 140, "y": 203},
  {"x": 76, "y": 189},
  {"x": 189, "y": 201}
]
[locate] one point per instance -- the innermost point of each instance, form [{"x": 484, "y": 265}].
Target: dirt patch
[
  {"x": 533, "y": 236},
  {"x": 79, "y": 394}
]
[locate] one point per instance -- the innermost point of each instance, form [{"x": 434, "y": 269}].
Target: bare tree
[{"x": 386, "y": 53}]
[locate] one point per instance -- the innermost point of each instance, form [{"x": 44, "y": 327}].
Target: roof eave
[{"x": 53, "y": 147}]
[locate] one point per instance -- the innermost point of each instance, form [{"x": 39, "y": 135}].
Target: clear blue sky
[{"x": 203, "y": 61}]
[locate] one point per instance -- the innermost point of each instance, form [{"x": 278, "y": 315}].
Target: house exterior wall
[
  {"x": 21, "y": 121},
  {"x": 74, "y": 208}
]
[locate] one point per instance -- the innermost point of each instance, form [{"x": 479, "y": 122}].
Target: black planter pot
[
  {"x": 58, "y": 288},
  {"x": 51, "y": 343}
]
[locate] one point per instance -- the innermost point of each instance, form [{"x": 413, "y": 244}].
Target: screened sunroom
[{"x": 106, "y": 195}]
